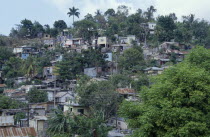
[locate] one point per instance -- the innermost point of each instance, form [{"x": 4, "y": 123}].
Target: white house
[
  {"x": 102, "y": 41},
  {"x": 151, "y": 26},
  {"x": 17, "y": 50},
  {"x": 63, "y": 97}
]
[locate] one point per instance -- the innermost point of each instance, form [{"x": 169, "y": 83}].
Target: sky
[{"x": 48, "y": 11}]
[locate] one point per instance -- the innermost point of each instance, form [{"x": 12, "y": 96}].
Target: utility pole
[
  {"x": 28, "y": 114},
  {"x": 54, "y": 91}
]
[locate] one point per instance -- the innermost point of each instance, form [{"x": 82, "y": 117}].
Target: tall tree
[
  {"x": 13, "y": 68},
  {"x": 69, "y": 125},
  {"x": 73, "y": 12},
  {"x": 165, "y": 28},
  {"x": 98, "y": 13},
  {"x": 37, "y": 96},
  {"x": 37, "y": 28},
  {"x": 70, "y": 66},
  {"x": 132, "y": 59},
  {"x": 84, "y": 28},
  {"x": 26, "y": 28},
  {"x": 177, "y": 104},
  {"x": 8, "y": 103},
  {"x": 99, "y": 95},
  {"x": 110, "y": 12},
  {"x": 150, "y": 12},
  {"x": 60, "y": 25},
  {"x": 30, "y": 67}
]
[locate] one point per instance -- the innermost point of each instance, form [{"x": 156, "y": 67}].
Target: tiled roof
[
  {"x": 125, "y": 91},
  {"x": 18, "y": 132},
  {"x": 2, "y": 85},
  {"x": 9, "y": 90}
]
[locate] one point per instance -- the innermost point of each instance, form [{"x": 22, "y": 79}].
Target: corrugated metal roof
[
  {"x": 18, "y": 132},
  {"x": 125, "y": 91},
  {"x": 9, "y": 90},
  {"x": 2, "y": 85},
  {"x": 40, "y": 117}
]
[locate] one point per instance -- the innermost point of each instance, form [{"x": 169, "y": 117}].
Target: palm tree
[
  {"x": 30, "y": 67},
  {"x": 60, "y": 124},
  {"x": 73, "y": 12},
  {"x": 149, "y": 13},
  {"x": 98, "y": 12}
]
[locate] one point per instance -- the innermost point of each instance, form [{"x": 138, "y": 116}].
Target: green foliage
[
  {"x": 121, "y": 80},
  {"x": 199, "y": 57},
  {"x": 149, "y": 13},
  {"x": 18, "y": 116},
  {"x": 66, "y": 125},
  {"x": 93, "y": 58},
  {"x": 60, "y": 124},
  {"x": 177, "y": 103},
  {"x": 30, "y": 67},
  {"x": 37, "y": 96},
  {"x": 8, "y": 103},
  {"x": 37, "y": 29},
  {"x": 100, "y": 96},
  {"x": 73, "y": 63},
  {"x": 165, "y": 28},
  {"x": 85, "y": 28},
  {"x": 42, "y": 62},
  {"x": 60, "y": 25},
  {"x": 70, "y": 66},
  {"x": 73, "y": 12},
  {"x": 89, "y": 126},
  {"x": 132, "y": 59},
  {"x": 13, "y": 68},
  {"x": 140, "y": 81},
  {"x": 173, "y": 58},
  {"x": 5, "y": 54},
  {"x": 110, "y": 12}
]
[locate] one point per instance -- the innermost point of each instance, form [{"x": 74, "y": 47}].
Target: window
[
  {"x": 71, "y": 109},
  {"x": 67, "y": 99},
  {"x": 81, "y": 111}
]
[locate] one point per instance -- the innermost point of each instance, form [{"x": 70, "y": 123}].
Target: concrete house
[
  {"x": 43, "y": 108},
  {"x": 76, "y": 109},
  {"x": 39, "y": 123},
  {"x": 50, "y": 43},
  {"x": 108, "y": 56},
  {"x": 48, "y": 73},
  {"x": 29, "y": 51},
  {"x": 19, "y": 80},
  {"x": 153, "y": 70},
  {"x": 7, "y": 121},
  {"x": 73, "y": 43},
  {"x": 127, "y": 40},
  {"x": 151, "y": 26},
  {"x": 63, "y": 97},
  {"x": 118, "y": 122},
  {"x": 103, "y": 42},
  {"x": 128, "y": 93},
  {"x": 93, "y": 72},
  {"x": 17, "y": 51}
]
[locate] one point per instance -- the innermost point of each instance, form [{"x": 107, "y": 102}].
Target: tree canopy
[
  {"x": 37, "y": 96},
  {"x": 177, "y": 104},
  {"x": 8, "y": 103}
]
